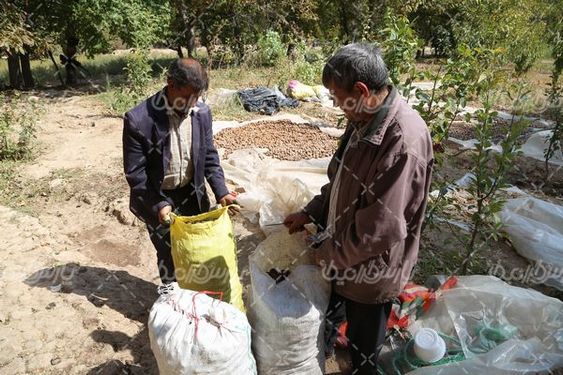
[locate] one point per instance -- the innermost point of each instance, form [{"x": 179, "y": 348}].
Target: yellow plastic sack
[
  {"x": 300, "y": 91},
  {"x": 204, "y": 254}
]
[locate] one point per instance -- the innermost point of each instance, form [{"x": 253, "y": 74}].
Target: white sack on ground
[
  {"x": 535, "y": 228},
  {"x": 287, "y": 317},
  {"x": 193, "y": 334},
  {"x": 536, "y": 347}
]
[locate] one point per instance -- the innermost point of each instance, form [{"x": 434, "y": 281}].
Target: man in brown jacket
[{"x": 370, "y": 213}]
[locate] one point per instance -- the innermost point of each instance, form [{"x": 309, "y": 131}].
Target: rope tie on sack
[{"x": 193, "y": 314}]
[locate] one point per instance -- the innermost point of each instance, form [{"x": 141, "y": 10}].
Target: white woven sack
[
  {"x": 192, "y": 334},
  {"x": 287, "y": 318}
]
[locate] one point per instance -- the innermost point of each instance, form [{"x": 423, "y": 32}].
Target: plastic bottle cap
[{"x": 428, "y": 345}]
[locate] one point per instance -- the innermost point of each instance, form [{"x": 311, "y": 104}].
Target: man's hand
[
  {"x": 296, "y": 222},
  {"x": 163, "y": 214},
  {"x": 229, "y": 200}
]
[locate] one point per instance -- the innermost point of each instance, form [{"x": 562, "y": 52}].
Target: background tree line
[{"x": 35, "y": 28}]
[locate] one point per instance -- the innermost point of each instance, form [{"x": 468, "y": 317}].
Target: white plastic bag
[
  {"x": 536, "y": 347},
  {"x": 535, "y": 228},
  {"x": 274, "y": 188},
  {"x": 192, "y": 333},
  {"x": 287, "y": 317}
]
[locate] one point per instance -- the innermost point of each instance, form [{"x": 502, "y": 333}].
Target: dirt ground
[{"x": 78, "y": 273}]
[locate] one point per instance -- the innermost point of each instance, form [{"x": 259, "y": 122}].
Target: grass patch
[
  {"x": 439, "y": 255},
  {"x": 242, "y": 77},
  {"x": 30, "y": 196},
  {"x": 8, "y": 170},
  {"x": 14, "y": 192},
  {"x": 115, "y": 101},
  {"x": 118, "y": 101},
  {"x": 231, "y": 109},
  {"x": 18, "y": 119},
  {"x": 98, "y": 67}
]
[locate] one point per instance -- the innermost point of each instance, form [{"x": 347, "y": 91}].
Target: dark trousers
[
  {"x": 366, "y": 330},
  {"x": 186, "y": 204}
]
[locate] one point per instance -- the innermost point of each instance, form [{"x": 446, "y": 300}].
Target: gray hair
[
  {"x": 188, "y": 72},
  {"x": 356, "y": 62}
]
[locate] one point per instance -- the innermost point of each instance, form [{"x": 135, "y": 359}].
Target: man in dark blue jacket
[{"x": 168, "y": 153}]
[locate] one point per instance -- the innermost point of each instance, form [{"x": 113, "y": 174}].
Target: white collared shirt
[{"x": 180, "y": 170}]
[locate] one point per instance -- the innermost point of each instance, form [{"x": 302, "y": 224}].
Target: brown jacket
[{"x": 380, "y": 205}]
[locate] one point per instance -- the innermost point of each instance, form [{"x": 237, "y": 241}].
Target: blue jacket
[{"x": 146, "y": 152}]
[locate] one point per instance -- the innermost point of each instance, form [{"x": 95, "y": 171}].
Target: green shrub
[
  {"x": 139, "y": 72},
  {"x": 399, "y": 43},
  {"x": 138, "y": 79},
  {"x": 222, "y": 56},
  {"x": 555, "y": 141},
  {"x": 18, "y": 118},
  {"x": 270, "y": 49},
  {"x": 307, "y": 72},
  {"x": 118, "y": 100}
]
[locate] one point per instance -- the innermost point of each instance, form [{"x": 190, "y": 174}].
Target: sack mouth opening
[{"x": 203, "y": 218}]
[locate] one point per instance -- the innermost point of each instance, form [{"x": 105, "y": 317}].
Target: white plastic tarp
[
  {"x": 534, "y": 147},
  {"x": 536, "y": 347},
  {"x": 535, "y": 228},
  {"x": 537, "y": 143},
  {"x": 274, "y": 188}
]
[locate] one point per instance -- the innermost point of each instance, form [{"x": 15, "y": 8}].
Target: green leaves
[
  {"x": 139, "y": 77},
  {"x": 15, "y": 33},
  {"x": 18, "y": 118},
  {"x": 270, "y": 48},
  {"x": 514, "y": 26},
  {"x": 97, "y": 24},
  {"x": 554, "y": 93},
  {"x": 138, "y": 23},
  {"x": 399, "y": 43}
]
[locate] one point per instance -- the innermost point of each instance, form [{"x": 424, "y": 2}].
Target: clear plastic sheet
[
  {"x": 274, "y": 188},
  {"x": 536, "y": 322},
  {"x": 535, "y": 228},
  {"x": 535, "y": 147}
]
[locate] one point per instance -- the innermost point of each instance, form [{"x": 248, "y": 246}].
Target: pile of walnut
[{"x": 284, "y": 140}]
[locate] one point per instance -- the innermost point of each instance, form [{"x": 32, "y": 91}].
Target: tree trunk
[
  {"x": 70, "y": 50},
  {"x": 71, "y": 76},
  {"x": 58, "y": 71},
  {"x": 190, "y": 40},
  {"x": 210, "y": 55},
  {"x": 180, "y": 53},
  {"x": 344, "y": 26},
  {"x": 206, "y": 42},
  {"x": 14, "y": 70},
  {"x": 187, "y": 36},
  {"x": 239, "y": 42},
  {"x": 28, "y": 81}
]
